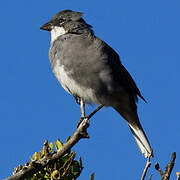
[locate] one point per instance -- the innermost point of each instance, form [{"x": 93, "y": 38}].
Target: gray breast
[{"x": 82, "y": 67}]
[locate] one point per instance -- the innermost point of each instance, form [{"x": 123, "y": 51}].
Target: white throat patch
[{"x": 56, "y": 32}]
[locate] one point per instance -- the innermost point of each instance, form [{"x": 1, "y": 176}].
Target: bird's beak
[{"x": 47, "y": 26}]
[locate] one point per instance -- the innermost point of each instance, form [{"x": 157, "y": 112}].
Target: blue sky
[{"x": 34, "y": 107}]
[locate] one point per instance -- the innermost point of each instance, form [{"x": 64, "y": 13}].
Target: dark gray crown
[{"x": 67, "y": 15}]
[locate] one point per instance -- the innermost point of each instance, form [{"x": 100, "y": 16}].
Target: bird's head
[
  {"x": 64, "y": 22},
  {"x": 61, "y": 19}
]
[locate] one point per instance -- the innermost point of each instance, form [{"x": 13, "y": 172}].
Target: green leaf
[
  {"x": 68, "y": 138},
  {"x": 58, "y": 144},
  {"x": 55, "y": 174},
  {"x": 30, "y": 158},
  {"x": 36, "y": 156},
  {"x": 75, "y": 168},
  {"x": 15, "y": 169},
  {"x": 46, "y": 176},
  {"x": 34, "y": 177},
  {"x": 19, "y": 167},
  {"x": 65, "y": 159},
  {"x": 50, "y": 147},
  {"x": 41, "y": 153}
]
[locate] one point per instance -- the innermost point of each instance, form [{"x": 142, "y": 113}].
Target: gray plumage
[{"x": 88, "y": 68}]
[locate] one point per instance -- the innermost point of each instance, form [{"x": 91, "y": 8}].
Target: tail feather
[
  {"x": 141, "y": 141},
  {"x": 137, "y": 131}
]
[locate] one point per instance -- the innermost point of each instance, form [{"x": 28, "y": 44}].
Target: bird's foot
[
  {"x": 80, "y": 121},
  {"x": 84, "y": 122}
]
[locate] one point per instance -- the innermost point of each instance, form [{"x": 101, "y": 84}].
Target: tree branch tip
[
  {"x": 46, "y": 148},
  {"x": 45, "y": 143},
  {"x": 150, "y": 176},
  {"x": 173, "y": 157},
  {"x": 157, "y": 166}
]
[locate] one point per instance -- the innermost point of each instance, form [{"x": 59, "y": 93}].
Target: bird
[{"x": 90, "y": 70}]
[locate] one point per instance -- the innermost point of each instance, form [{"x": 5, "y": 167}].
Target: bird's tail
[{"x": 138, "y": 132}]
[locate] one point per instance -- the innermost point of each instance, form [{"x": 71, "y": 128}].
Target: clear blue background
[{"x": 33, "y": 106}]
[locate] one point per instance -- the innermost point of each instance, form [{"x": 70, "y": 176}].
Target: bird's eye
[
  {"x": 61, "y": 21},
  {"x": 58, "y": 22}
]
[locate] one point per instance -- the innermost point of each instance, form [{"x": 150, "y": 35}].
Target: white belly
[{"x": 73, "y": 87}]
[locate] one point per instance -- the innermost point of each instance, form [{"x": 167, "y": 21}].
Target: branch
[
  {"x": 150, "y": 177},
  {"x": 169, "y": 167},
  {"x": 95, "y": 111},
  {"x": 48, "y": 159},
  {"x": 148, "y": 164}
]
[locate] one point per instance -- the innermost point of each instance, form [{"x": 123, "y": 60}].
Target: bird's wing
[{"x": 121, "y": 75}]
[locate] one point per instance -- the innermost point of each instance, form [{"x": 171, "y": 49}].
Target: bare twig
[
  {"x": 95, "y": 111},
  {"x": 158, "y": 169},
  {"x": 36, "y": 165},
  {"x": 92, "y": 176},
  {"x": 150, "y": 177},
  {"x": 70, "y": 162},
  {"x": 45, "y": 148},
  {"x": 169, "y": 167},
  {"x": 148, "y": 164}
]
